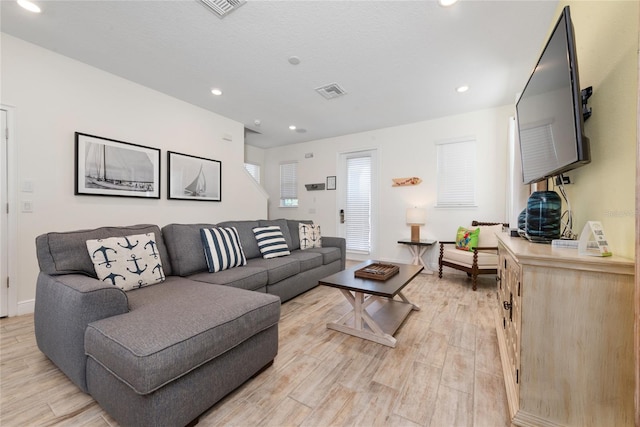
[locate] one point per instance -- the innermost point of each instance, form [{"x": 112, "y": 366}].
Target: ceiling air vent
[
  {"x": 331, "y": 91},
  {"x": 222, "y": 7}
]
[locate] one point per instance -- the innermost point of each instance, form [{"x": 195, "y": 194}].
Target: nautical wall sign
[
  {"x": 106, "y": 167},
  {"x": 193, "y": 178},
  {"x": 401, "y": 182}
]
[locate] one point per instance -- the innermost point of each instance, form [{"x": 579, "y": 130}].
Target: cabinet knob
[{"x": 506, "y": 305}]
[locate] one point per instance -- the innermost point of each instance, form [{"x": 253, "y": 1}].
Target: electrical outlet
[
  {"x": 561, "y": 179},
  {"x": 27, "y": 206}
]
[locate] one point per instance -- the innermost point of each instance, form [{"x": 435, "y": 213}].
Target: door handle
[{"x": 341, "y": 216}]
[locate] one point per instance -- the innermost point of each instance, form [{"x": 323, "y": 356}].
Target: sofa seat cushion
[
  {"x": 308, "y": 260},
  {"x": 250, "y": 278},
  {"x": 175, "y": 327},
  {"x": 485, "y": 259},
  {"x": 329, "y": 254},
  {"x": 278, "y": 268}
]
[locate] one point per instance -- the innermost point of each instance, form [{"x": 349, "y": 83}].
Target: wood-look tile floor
[{"x": 444, "y": 371}]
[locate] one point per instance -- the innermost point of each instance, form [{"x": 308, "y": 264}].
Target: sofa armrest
[
  {"x": 64, "y": 306},
  {"x": 337, "y": 242}
]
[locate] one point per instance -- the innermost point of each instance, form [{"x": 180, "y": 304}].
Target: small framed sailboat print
[
  {"x": 193, "y": 178},
  {"x": 106, "y": 167}
]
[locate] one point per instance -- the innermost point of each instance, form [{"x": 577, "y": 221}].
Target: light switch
[{"x": 27, "y": 186}]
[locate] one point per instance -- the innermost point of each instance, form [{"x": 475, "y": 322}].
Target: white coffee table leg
[{"x": 358, "y": 322}]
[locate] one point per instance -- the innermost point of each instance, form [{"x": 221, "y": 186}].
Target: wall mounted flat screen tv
[{"x": 549, "y": 111}]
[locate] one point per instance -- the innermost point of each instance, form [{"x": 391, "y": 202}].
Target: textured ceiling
[{"x": 398, "y": 61}]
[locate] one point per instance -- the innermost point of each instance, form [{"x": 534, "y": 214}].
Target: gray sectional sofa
[{"x": 163, "y": 354}]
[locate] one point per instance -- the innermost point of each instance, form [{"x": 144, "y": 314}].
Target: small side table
[{"x": 418, "y": 249}]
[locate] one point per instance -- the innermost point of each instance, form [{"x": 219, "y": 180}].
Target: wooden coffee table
[{"x": 375, "y": 315}]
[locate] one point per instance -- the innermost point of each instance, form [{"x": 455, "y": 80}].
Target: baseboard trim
[{"x": 26, "y": 307}]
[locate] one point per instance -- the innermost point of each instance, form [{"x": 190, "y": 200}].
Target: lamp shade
[{"x": 416, "y": 216}]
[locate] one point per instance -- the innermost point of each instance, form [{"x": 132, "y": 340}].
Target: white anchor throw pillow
[
  {"x": 128, "y": 262},
  {"x": 310, "y": 236}
]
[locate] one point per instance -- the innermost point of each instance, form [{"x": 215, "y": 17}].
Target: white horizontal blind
[
  {"x": 358, "y": 206},
  {"x": 456, "y": 174},
  {"x": 254, "y": 171},
  {"x": 289, "y": 185}
]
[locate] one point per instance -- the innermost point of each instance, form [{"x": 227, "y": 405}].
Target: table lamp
[{"x": 415, "y": 218}]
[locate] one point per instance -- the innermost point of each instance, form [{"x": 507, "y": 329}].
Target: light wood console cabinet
[{"x": 565, "y": 331}]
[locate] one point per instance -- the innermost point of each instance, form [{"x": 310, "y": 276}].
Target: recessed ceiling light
[
  {"x": 31, "y": 7},
  {"x": 216, "y": 92},
  {"x": 292, "y": 127},
  {"x": 294, "y": 60},
  {"x": 462, "y": 89},
  {"x": 447, "y": 3}
]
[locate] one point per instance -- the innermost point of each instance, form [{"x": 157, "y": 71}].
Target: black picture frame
[
  {"x": 193, "y": 178},
  {"x": 108, "y": 167},
  {"x": 331, "y": 182}
]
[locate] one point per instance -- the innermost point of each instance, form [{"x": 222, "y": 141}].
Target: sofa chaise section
[
  {"x": 69, "y": 297},
  {"x": 171, "y": 336}
]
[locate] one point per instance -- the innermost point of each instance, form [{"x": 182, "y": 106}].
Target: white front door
[{"x": 358, "y": 202}]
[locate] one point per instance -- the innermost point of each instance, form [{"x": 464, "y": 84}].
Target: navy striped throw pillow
[
  {"x": 271, "y": 241},
  {"x": 222, "y": 248}
]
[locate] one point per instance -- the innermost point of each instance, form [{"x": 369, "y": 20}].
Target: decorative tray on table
[{"x": 377, "y": 271}]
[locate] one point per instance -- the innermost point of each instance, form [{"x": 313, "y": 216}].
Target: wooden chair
[{"x": 482, "y": 260}]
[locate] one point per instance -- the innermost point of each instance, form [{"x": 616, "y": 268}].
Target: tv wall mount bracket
[{"x": 586, "y": 94}]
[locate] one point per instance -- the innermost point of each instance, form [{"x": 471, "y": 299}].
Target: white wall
[
  {"x": 607, "y": 46},
  {"x": 53, "y": 97},
  {"x": 255, "y": 155},
  {"x": 404, "y": 151}
]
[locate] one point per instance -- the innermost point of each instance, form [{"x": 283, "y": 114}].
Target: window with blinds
[
  {"x": 254, "y": 171},
  {"x": 358, "y": 204},
  {"x": 456, "y": 174},
  {"x": 289, "y": 185}
]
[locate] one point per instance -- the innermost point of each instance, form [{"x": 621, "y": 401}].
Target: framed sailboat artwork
[
  {"x": 193, "y": 178},
  {"x": 106, "y": 167}
]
